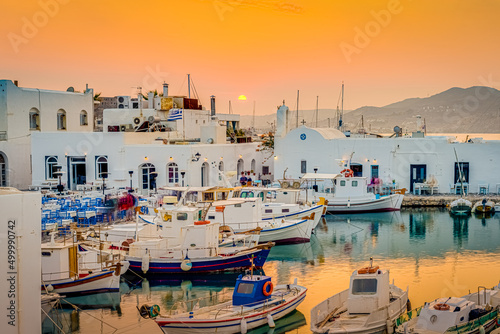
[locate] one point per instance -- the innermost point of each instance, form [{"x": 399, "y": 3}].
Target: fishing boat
[
  {"x": 255, "y": 302},
  {"x": 195, "y": 250},
  {"x": 484, "y": 207},
  {"x": 244, "y": 214},
  {"x": 349, "y": 194},
  {"x": 370, "y": 305},
  {"x": 460, "y": 206},
  {"x": 474, "y": 313},
  {"x": 69, "y": 269}
]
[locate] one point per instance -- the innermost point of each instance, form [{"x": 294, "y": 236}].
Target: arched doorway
[
  {"x": 252, "y": 166},
  {"x": 204, "y": 174},
  {"x": 240, "y": 167},
  {"x": 147, "y": 173},
  {"x": 3, "y": 170},
  {"x": 221, "y": 170}
]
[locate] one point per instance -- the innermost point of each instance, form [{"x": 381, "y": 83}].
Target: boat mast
[
  {"x": 342, "y": 108},
  {"x": 459, "y": 174},
  {"x": 297, "y": 118},
  {"x": 189, "y": 85}
]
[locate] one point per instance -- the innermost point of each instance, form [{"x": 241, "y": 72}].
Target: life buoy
[
  {"x": 202, "y": 222},
  {"x": 347, "y": 172},
  {"x": 442, "y": 307},
  {"x": 265, "y": 290},
  {"x": 137, "y": 120},
  {"x": 368, "y": 270}
]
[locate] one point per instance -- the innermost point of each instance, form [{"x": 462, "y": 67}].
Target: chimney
[
  {"x": 212, "y": 105},
  {"x": 165, "y": 89},
  {"x": 16, "y": 83},
  {"x": 151, "y": 100}
]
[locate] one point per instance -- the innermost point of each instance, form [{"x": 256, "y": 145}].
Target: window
[
  {"x": 269, "y": 211},
  {"x": 245, "y": 288},
  {"x": 357, "y": 169},
  {"x": 285, "y": 210},
  {"x": 211, "y": 217},
  {"x": 462, "y": 168},
  {"x": 364, "y": 286},
  {"x": 303, "y": 166},
  {"x": 265, "y": 170},
  {"x": 50, "y": 167},
  {"x": 182, "y": 216},
  {"x": 61, "y": 120},
  {"x": 34, "y": 119},
  {"x": 342, "y": 183},
  {"x": 221, "y": 169},
  {"x": 374, "y": 171},
  {"x": 83, "y": 118},
  {"x": 46, "y": 253},
  {"x": 354, "y": 183},
  {"x": 3, "y": 170},
  {"x": 101, "y": 167},
  {"x": 173, "y": 173}
]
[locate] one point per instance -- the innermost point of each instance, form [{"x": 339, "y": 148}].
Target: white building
[
  {"x": 25, "y": 111},
  {"x": 157, "y": 146},
  {"x": 405, "y": 160},
  {"x": 21, "y": 261}
]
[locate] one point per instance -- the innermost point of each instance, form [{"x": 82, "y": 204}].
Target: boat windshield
[
  {"x": 245, "y": 288},
  {"x": 364, "y": 286}
]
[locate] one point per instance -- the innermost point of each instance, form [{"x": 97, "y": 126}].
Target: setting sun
[{"x": 242, "y": 97}]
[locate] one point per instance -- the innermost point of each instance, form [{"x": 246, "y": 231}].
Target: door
[
  {"x": 204, "y": 174},
  {"x": 78, "y": 171},
  {"x": 418, "y": 174}
]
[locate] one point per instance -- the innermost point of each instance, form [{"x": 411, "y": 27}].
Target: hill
[{"x": 456, "y": 110}]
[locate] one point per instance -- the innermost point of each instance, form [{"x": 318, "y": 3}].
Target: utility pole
[
  {"x": 317, "y": 99},
  {"x": 297, "y": 120},
  {"x": 189, "y": 85}
]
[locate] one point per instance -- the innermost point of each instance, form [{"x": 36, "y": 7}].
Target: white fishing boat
[
  {"x": 244, "y": 214},
  {"x": 349, "y": 194},
  {"x": 49, "y": 300},
  {"x": 69, "y": 269},
  {"x": 254, "y": 303},
  {"x": 460, "y": 206},
  {"x": 474, "y": 313},
  {"x": 484, "y": 207},
  {"x": 370, "y": 305}
]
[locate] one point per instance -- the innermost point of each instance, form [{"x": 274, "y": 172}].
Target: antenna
[
  {"x": 139, "y": 95},
  {"x": 342, "y": 110},
  {"x": 253, "y": 116},
  {"x": 459, "y": 174},
  {"x": 317, "y": 99}
]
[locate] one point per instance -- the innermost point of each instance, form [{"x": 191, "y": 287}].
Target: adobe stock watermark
[
  {"x": 224, "y": 6},
  {"x": 363, "y": 36},
  {"x": 32, "y": 25}
]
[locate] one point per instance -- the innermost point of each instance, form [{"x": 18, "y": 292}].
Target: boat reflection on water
[
  {"x": 66, "y": 315},
  {"x": 308, "y": 252},
  {"x": 292, "y": 321}
]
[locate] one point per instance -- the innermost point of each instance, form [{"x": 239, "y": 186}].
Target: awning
[{"x": 318, "y": 176}]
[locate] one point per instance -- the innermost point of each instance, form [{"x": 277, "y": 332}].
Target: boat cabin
[
  {"x": 368, "y": 290},
  {"x": 59, "y": 261},
  {"x": 444, "y": 313},
  {"x": 252, "y": 289},
  {"x": 351, "y": 186},
  {"x": 236, "y": 211}
]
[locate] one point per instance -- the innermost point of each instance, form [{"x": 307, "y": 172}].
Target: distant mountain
[{"x": 456, "y": 110}]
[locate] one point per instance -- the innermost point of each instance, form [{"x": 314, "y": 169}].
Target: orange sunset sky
[{"x": 384, "y": 51}]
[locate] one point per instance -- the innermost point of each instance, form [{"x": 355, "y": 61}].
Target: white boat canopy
[
  {"x": 231, "y": 201},
  {"x": 318, "y": 176}
]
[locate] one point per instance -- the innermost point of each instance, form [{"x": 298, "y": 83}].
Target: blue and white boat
[{"x": 255, "y": 302}]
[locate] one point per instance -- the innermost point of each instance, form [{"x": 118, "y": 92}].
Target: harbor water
[{"x": 427, "y": 250}]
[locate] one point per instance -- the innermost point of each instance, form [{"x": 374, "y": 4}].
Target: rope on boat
[{"x": 88, "y": 313}]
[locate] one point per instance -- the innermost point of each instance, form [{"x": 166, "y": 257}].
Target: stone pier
[{"x": 441, "y": 200}]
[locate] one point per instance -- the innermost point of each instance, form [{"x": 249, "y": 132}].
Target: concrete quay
[{"x": 441, "y": 200}]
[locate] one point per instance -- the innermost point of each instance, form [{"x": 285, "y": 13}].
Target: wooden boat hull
[
  {"x": 93, "y": 283},
  {"x": 294, "y": 233},
  {"x": 232, "y": 325},
  {"x": 314, "y": 212},
  {"x": 214, "y": 264}
]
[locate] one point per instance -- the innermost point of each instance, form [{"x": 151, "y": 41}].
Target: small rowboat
[{"x": 255, "y": 302}]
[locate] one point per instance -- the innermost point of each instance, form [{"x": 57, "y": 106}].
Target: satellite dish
[
  {"x": 70, "y": 89},
  {"x": 210, "y": 140}
]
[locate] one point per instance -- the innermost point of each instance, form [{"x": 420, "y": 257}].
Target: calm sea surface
[{"x": 432, "y": 253}]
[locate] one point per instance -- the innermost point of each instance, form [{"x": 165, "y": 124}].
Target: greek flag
[{"x": 174, "y": 114}]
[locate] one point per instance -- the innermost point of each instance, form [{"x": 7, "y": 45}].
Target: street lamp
[
  {"x": 58, "y": 174},
  {"x": 183, "y": 172},
  {"x": 154, "y": 175},
  {"x": 196, "y": 157},
  {"x": 130, "y": 172},
  {"x": 315, "y": 187},
  {"x": 103, "y": 175}
]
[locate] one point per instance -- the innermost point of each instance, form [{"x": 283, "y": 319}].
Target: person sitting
[
  {"x": 243, "y": 179},
  {"x": 249, "y": 181}
]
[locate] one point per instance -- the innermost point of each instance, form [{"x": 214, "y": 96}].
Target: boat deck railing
[{"x": 405, "y": 317}]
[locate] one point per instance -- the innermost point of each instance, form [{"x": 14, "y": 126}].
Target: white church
[{"x": 405, "y": 161}]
